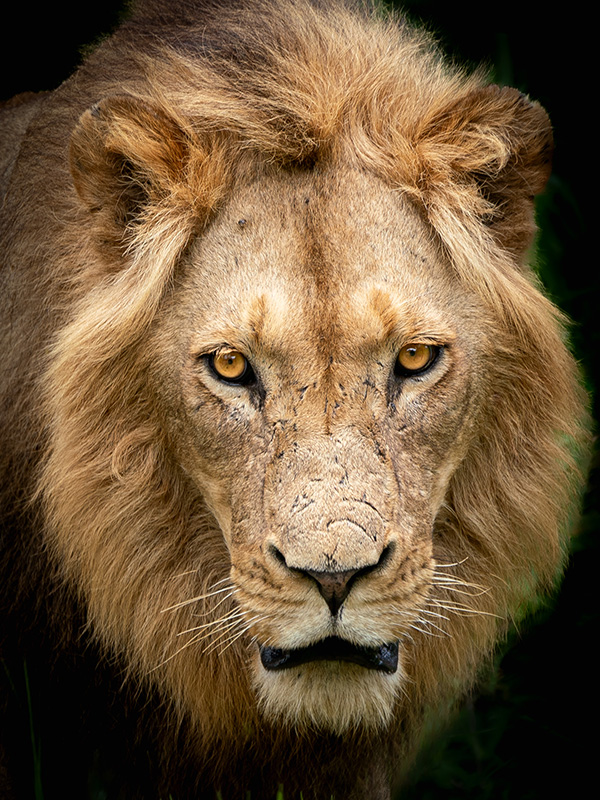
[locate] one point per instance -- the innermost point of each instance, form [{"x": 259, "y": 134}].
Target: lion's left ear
[{"x": 499, "y": 142}]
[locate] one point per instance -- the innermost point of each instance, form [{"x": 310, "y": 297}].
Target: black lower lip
[{"x": 382, "y": 659}]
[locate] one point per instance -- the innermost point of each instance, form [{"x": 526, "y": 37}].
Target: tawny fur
[{"x": 125, "y": 193}]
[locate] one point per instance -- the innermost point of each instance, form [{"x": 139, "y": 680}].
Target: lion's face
[{"x": 324, "y": 382}]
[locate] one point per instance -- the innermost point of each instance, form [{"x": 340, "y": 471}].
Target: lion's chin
[{"x": 310, "y": 688}]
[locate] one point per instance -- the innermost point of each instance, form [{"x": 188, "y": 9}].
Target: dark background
[{"x": 532, "y": 733}]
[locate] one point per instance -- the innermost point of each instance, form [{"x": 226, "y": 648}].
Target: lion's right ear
[
  {"x": 130, "y": 159},
  {"x": 125, "y": 153}
]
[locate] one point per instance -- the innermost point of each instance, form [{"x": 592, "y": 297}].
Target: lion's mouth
[{"x": 383, "y": 658}]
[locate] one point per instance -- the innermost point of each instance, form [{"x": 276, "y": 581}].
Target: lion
[{"x": 291, "y": 435}]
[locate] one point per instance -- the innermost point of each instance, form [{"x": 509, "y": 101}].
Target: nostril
[
  {"x": 277, "y": 555},
  {"x": 386, "y": 555}
]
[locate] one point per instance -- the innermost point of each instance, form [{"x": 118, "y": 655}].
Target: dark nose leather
[{"x": 334, "y": 586}]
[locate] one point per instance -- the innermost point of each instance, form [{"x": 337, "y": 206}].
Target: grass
[{"x": 36, "y": 744}]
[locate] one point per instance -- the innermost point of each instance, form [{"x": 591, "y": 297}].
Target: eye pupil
[{"x": 415, "y": 358}]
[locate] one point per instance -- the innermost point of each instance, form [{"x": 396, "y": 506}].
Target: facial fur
[{"x": 328, "y": 460}]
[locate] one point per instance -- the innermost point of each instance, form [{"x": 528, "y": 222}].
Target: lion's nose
[{"x": 334, "y": 586}]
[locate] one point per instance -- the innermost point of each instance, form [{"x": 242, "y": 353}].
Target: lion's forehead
[{"x": 303, "y": 258}]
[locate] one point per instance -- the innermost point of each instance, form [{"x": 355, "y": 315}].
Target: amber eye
[
  {"x": 231, "y": 366},
  {"x": 415, "y": 358}
]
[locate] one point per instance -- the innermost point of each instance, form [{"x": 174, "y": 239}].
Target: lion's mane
[{"x": 101, "y": 523}]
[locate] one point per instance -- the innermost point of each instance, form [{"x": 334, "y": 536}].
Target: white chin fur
[{"x": 328, "y": 695}]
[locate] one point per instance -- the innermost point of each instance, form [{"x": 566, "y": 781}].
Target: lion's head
[{"x": 311, "y": 422}]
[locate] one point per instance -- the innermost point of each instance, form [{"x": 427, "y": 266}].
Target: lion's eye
[
  {"x": 415, "y": 358},
  {"x": 231, "y": 366}
]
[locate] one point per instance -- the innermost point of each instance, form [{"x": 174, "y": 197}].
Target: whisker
[
  {"x": 253, "y": 640},
  {"x": 214, "y": 644},
  {"x": 199, "y": 597},
  {"x": 433, "y": 625},
  {"x": 232, "y": 615},
  {"x": 183, "y": 574},
  {"x": 454, "y": 564},
  {"x": 453, "y": 579},
  {"x": 414, "y": 622},
  {"x": 192, "y": 571},
  {"x": 231, "y": 623},
  {"x": 203, "y": 635},
  {"x": 226, "y": 630},
  {"x": 433, "y": 614},
  {"x": 169, "y": 658},
  {"x": 451, "y": 588},
  {"x": 459, "y": 608},
  {"x": 421, "y": 630},
  {"x": 212, "y": 609},
  {"x": 440, "y": 577},
  {"x": 198, "y": 637},
  {"x": 235, "y": 637},
  {"x": 228, "y": 643}
]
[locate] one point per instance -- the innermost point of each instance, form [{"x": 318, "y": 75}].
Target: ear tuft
[
  {"x": 499, "y": 143},
  {"x": 126, "y": 153}
]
